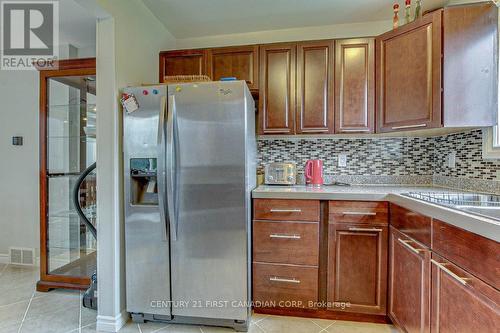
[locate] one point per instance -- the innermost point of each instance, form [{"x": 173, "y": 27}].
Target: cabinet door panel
[
  {"x": 355, "y": 85},
  {"x": 241, "y": 62},
  {"x": 315, "y": 87},
  {"x": 187, "y": 62},
  {"x": 357, "y": 267},
  {"x": 409, "y": 284},
  {"x": 409, "y": 75},
  {"x": 277, "y": 89},
  {"x": 462, "y": 303}
]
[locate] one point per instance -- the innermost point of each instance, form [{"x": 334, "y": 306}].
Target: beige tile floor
[{"x": 24, "y": 310}]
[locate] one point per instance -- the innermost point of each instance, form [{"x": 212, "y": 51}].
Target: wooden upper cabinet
[
  {"x": 409, "y": 75},
  {"x": 241, "y": 62},
  {"x": 185, "y": 62},
  {"x": 315, "y": 87},
  {"x": 355, "y": 85},
  {"x": 470, "y": 65},
  {"x": 357, "y": 267},
  {"x": 409, "y": 284},
  {"x": 277, "y": 89}
]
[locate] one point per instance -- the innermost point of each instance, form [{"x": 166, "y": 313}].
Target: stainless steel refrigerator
[{"x": 189, "y": 168}]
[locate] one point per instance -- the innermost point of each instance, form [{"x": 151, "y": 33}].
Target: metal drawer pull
[
  {"x": 273, "y": 210},
  {"x": 359, "y": 213},
  {"x": 284, "y": 236},
  {"x": 409, "y": 126},
  {"x": 365, "y": 229},
  {"x": 449, "y": 272},
  {"x": 408, "y": 246},
  {"x": 277, "y": 279},
  {"x": 354, "y": 130}
]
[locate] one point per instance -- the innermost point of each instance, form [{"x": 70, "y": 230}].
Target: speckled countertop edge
[{"x": 485, "y": 227}]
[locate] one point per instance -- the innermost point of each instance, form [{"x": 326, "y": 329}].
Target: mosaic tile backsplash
[{"x": 392, "y": 160}]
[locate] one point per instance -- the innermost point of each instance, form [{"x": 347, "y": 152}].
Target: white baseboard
[
  {"x": 112, "y": 324},
  {"x": 4, "y": 258}
]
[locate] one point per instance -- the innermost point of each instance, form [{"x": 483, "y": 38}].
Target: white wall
[
  {"x": 128, "y": 44},
  {"x": 295, "y": 34},
  {"x": 285, "y": 35},
  {"x": 19, "y": 209},
  {"x": 460, "y": 2}
]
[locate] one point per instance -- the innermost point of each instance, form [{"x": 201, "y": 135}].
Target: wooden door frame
[{"x": 72, "y": 67}]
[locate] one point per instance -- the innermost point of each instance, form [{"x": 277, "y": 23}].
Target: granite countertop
[{"x": 486, "y": 227}]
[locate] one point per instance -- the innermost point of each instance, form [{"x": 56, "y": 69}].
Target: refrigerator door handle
[
  {"x": 160, "y": 169},
  {"x": 171, "y": 161}
]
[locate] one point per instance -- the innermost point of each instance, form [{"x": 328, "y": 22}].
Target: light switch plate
[
  {"x": 452, "y": 159},
  {"x": 17, "y": 140},
  {"x": 342, "y": 160}
]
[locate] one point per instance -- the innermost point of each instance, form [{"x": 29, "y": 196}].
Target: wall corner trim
[{"x": 112, "y": 324}]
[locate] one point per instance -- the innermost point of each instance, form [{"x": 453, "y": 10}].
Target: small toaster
[{"x": 280, "y": 174}]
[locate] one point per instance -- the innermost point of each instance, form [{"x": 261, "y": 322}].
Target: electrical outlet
[
  {"x": 342, "y": 160},
  {"x": 452, "y": 159}
]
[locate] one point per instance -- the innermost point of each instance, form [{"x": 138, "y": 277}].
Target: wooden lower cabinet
[
  {"x": 285, "y": 251},
  {"x": 357, "y": 267},
  {"x": 409, "y": 283},
  {"x": 285, "y": 286},
  {"x": 286, "y": 210},
  {"x": 448, "y": 286},
  {"x": 476, "y": 254},
  {"x": 461, "y": 303},
  {"x": 323, "y": 259},
  {"x": 286, "y": 242}
]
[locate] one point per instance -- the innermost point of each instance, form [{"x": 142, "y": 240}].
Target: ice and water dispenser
[{"x": 144, "y": 187}]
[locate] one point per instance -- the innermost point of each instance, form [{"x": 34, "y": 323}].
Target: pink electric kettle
[{"x": 314, "y": 172}]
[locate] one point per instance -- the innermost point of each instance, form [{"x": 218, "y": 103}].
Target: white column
[{"x": 111, "y": 315}]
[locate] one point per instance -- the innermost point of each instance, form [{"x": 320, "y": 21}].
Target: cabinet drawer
[
  {"x": 358, "y": 212},
  {"x": 286, "y": 210},
  {"x": 412, "y": 224},
  {"x": 284, "y": 285},
  {"x": 477, "y": 255},
  {"x": 286, "y": 242}
]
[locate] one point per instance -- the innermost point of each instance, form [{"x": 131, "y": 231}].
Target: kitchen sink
[
  {"x": 492, "y": 212},
  {"x": 475, "y": 203}
]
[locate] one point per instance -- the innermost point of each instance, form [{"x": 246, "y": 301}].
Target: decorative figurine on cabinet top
[
  {"x": 408, "y": 11},
  {"x": 418, "y": 10},
  {"x": 395, "y": 19}
]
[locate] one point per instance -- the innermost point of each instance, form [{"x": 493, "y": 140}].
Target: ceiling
[
  {"x": 197, "y": 18},
  {"x": 77, "y": 26}
]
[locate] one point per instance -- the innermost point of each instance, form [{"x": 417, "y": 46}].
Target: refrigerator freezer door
[
  {"x": 146, "y": 239},
  {"x": 210, "y": 257}
]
